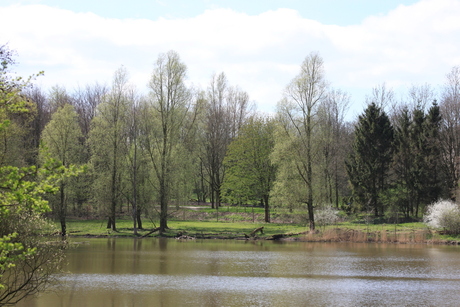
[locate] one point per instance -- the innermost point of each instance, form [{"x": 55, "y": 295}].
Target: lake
[{"x": 167, "y": 272}]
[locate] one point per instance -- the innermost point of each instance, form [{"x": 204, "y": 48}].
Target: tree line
[{"x": 176, "y": 143}]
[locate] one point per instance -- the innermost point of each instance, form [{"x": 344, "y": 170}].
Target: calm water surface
[{"x": 166, "y": 272}]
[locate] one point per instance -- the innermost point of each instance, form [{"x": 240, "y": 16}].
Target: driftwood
[
  {"x": 284, "y": 235},
  {"x": 149, "y": 233},
  {"x": 253, "y": 233}
]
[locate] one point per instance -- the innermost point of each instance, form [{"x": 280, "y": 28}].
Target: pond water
[{"x": 166, "y": 272}]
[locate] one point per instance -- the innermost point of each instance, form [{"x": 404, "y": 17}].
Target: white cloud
[{"x": 261, "y": 53}]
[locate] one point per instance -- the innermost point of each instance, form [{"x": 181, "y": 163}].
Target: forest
[{"x": 145, "y": 153}]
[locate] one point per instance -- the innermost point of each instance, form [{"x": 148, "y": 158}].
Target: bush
[
  {"x": 443, "y": 214},
  {"x": 326, "y": 215}
]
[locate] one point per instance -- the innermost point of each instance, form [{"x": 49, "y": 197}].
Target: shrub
[
  {"x": 326, "y": 215},
  {"x": 443, "y": 214}
]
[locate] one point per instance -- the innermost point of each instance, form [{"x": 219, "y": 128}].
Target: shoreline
[{"x": 333, "y": 235}]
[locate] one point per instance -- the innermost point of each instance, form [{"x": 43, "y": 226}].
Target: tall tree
[
  {"x": 41, "y": 116},
  {"x": 405, "y": 181},
  {"x": 170, "y": 106},
  {"x": 250, "y": 172},
  {"x": 61, "y": 138},
  {"x": 369, "y": 162},
  {"x": 226, "y": 109},
  {"x": 298, "y": 111},
  {"x": 435, "y": 180},
  {"x": 333, "y": 141},
  {"x": 86, "y": 101},
  {"x": 108, "y": 137},
  {"x": 450, "y": 129},
  {"x": 417, "y": 160},
  {"x": 137, "y": 192}
]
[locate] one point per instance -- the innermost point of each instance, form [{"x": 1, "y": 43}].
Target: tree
[
  {"x": 86, "y": 101},
  {"x": 61, "y": 138},
  {"x": 166, "y": 124},
  {"x": 108, "y": 138},
  {"x": 250, "y": 172},
  {"x": 226, "y": 110},
  {"x": 298, "y": 112},
  {"x": 405, "y": 173},
  {"x": 138, "y": 193},
  {"x": 27, "y": 257},
  {"x": 450, "y": 129},
  {"x": 369, "y": 162},
  {"x": 27, "y": 262},
  {"x": 41, "y": 116},
  {"x": 332, "y": 138},
  {"x": 435, "y": 183}
]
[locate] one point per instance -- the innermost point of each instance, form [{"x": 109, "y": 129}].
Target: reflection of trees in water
[{"x": 137, "y": 248}]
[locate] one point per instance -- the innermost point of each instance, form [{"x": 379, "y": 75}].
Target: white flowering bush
[
  {"x": 443, "y": 214},
  {"x": 326, "y": 215}
]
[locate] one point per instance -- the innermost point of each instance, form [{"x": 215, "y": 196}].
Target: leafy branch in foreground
[{"x": 28, "y": 258}]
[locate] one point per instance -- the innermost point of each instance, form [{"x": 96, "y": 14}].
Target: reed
[{"x": 380, "y": 236}]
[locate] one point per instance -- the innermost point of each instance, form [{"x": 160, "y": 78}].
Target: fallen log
[
  {"x": 284, "y": 235},
  {"x": 253, "y": 233},
  {"x": 149, "y": 233},
  {"x": 260, "y": 229}
]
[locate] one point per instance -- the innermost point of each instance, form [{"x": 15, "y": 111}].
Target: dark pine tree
[{"x": 369, "y": 162}]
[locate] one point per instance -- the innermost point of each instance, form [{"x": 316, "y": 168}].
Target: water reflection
[{"x": 161, "y": 272}]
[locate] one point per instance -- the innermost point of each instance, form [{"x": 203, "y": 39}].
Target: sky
[{"x": 258, "y": 44}]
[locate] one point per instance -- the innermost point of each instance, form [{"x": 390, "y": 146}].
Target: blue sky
[
  {"x": 339, "y": 12},
  {"x": 258, "y": 44}
]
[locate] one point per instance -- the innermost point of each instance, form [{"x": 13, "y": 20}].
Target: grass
[
  {"x": 191, "y": 228},
  {"x": 235, "y": 222}
]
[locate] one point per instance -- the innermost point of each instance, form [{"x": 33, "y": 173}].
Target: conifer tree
[{"x": 369, "y": 162}]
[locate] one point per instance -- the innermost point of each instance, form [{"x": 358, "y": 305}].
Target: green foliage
[
  {"x": 417, "y": 159},
  {"x": 166, "y": 125},
  {"x": 107, "y": 140},
  {"x": 61, "y": 141},
  {"x": 26, "y": 263},
  {"x": 250, "y": 172},
  {"x": 369, "y": 163}
]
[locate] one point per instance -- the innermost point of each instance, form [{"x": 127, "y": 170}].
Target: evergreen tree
[
  {"x": 403, "y": 164},
  {"x": 369, "y": 163},
  {"x": 434, "y": 178}
]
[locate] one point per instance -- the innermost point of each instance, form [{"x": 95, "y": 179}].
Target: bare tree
[
  {"x": 382, "y": 96},
  {"x": 86, "y": 101},
  {"x": 42, "y": 113},
  {"x": 226, "y": 110},
  {"x": 450, "y": 130},
  {"x": 332, "y": 137},
  {"x": 58, "y": 97}
]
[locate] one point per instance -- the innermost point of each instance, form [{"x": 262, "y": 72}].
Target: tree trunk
[
  {"x": 139, "y": 220},
  {"x": 163, "y": 208},
  {"x": 311, "y": 216},
  {"x": 62, "y": 211},
  {"x": 267, "y": 209}
]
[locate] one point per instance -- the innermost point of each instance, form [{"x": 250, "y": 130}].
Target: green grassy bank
[
  {"x": 231, "y": 222},
  {"x": 339, "y": 232}
]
